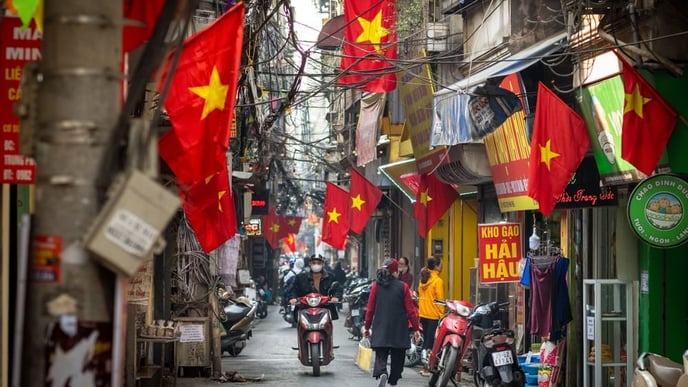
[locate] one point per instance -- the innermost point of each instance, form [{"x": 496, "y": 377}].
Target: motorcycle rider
[{"x": 317, "y": 280}]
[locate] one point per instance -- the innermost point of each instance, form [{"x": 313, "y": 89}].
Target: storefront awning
[
  {"x": 403, "y": 175},
  {"x": 514, "y": 63},
  {"x": 332, "y": 34}
]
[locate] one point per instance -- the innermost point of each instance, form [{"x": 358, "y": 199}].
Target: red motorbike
[
  {"x": 314, "y": 329},
  {"x": 452, "y": 340}
]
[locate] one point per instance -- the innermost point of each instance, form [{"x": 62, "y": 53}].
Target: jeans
[
  {"x": 396, "y": 364},
  {"x": 429, "y": 328}
]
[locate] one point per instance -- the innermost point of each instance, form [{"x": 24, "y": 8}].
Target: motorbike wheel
[
  {"x": 448, "y": 369},
  {"x": 433, "y": 379},
  {"x": 234, "y": 351},
  {"x": 315, "y": 358},
  {"x": 262, "y": 313}
]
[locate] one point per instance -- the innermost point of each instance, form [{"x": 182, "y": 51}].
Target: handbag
[{"x": 364, "y": 357}]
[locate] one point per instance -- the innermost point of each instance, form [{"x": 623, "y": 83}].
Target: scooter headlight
[
  {"x": 315, "y": 325},
  {"x": 313, "y": 301},
  {"x": 463, "y": 310}
]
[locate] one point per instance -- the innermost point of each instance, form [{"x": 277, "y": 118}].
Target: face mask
[{"x": 316, "y": 268}]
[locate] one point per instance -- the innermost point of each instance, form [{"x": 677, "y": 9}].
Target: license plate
[
  {"x": 502, "y": 358},
  {"x": 345, "y": 307},
  {"x": 355, "y": 312}
]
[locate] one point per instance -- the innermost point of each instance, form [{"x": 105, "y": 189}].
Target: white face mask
[{"x": 316, "y": 268}]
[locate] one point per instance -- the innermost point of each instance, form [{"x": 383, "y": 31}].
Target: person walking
[
  {"x": 389, "y": 312},
  {"x": 431, "y": 287},
  {"x": 405, "y": 272}
]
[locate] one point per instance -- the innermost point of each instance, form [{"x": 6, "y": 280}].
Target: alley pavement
[{"x": 269, "y": 357}]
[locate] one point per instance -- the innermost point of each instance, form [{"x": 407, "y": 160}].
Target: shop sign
[
  {"x": 602, "y": 106},
  {"x": 584, "y": 189},
  {"x": 500, "y": 252},
  {"x": 416, "y": 93},
  {"x": 508, "y": 153},
  {"x": 657, "y": 210},
  {"x": 45, "y": 258},
  {"x": 19, "y": 47}
]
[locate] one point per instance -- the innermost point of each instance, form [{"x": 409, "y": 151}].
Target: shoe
[
  {"x": 383, "y": 380},
  {"x": 424, "y": 372}
]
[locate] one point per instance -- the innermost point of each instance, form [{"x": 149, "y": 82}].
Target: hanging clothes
[
  {"x": 562, "y": 305},
  {"x": 542, "y": 280}
]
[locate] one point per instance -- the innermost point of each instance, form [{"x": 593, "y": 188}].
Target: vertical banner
[
  {"x": 19, "y": 46},
  {"x": 508, "y": 153},
  {"x": 499, "y": 251},
  {"x": 416, "y": 92},
  {"x": 372, "y": 107}
]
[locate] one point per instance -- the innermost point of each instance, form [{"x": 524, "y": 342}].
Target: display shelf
[{"x": 608, "y": 328}]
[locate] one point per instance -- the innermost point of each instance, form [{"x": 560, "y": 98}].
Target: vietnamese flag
[
  {"x": 289, "y": 243},
  {"x": 201, "y": 99},
  {"x": 271, "y": 227},
  {"x": 365, "y": 197},
  {"x": 560, "y": 140},
  {"x": 209, "y": 207},
  {"x": 335, "y": 216},
  {"x": 140, "y": 18},
  {"x": 290, "y": 224},
  {"x": 370, "y": 45},
  {"x": 648, "y": 121},
  {"x": 432, "y": 200}
]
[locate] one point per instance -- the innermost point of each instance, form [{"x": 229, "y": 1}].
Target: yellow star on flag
[
  {"x": 425, "y": 198},
  {"x": 290, "y": 238},
  {"x": 546, "y": 153},
  {"x": 357, "y": 202},
  {"x": 274, "y": 228},
  {"x": 220, "y": 194},
  {"x": 291, "y": 221},
  {"x": 373, "y": 31},
  {"x": 635, "y": 101},
  {"x": 333, "y": 216},
  {"x": 214, "y": 93}
]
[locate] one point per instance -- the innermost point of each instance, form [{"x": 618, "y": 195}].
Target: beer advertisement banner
[
  {"x": 499, "y": 252},
  {"x": 602, "y": 105},
  {"x": 508, "y": 152},
  {"x": 416, "y": 92}
]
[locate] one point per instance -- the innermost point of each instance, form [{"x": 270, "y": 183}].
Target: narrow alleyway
[{"x": 269, "y": 355}]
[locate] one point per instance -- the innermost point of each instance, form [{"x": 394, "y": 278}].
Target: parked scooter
[
  {"x": 655, "y": 370},
  {"x": 452, "y": 340},
  {"x": 237, "y": 317},
  {"x": 494, "y": 354},
  {"x": 355, "y": 308},
  {"x": 314, "y": 329}
]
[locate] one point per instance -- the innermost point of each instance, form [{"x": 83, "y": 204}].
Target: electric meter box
[{"x": 127, "y": 231}]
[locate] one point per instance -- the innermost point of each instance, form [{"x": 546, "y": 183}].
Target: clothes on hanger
[{"x": 542, "y": 279}]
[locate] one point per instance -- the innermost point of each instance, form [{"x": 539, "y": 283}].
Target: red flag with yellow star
[
  {"x": 365, "y": 197},
  {"x": 290, "y": 224},
  {"x": 370, "y": 45},
  {"x": 560, "y": 140},
  {"x": 272, "y": 228},
  {"x": 201, "y": 99},
  {"x": 648, "y": 121},
  {"x": 335, "y": 216},
  {"x": 432, "y": 200},
  {"x": 289, "y": 244},
  {"x": 209, "y": 207}
]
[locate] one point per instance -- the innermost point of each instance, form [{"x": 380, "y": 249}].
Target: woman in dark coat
[{"x": 390, "y": 310}]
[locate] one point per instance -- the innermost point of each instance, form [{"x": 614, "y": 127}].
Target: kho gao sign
[{"x": 499, "y": 247}]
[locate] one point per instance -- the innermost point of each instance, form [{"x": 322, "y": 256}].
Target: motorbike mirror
[{"x": 438, "y": 301}]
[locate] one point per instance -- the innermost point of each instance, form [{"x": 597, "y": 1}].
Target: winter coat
[
  {"x": 303, "y": 284},
  {"x": 406, "y": 278},
  {"x": 427, "y": 293},
  {"x": 389, "y": 312}
]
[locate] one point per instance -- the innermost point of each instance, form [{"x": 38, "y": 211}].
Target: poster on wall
[{"x": 499, "y": 252}]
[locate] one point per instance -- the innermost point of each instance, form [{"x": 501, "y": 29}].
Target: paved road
[{"x": 269, "y": 354}]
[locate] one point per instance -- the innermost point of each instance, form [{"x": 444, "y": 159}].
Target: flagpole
[{"x": 395, "y": 204}]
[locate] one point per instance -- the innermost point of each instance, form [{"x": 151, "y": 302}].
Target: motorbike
[
  {"x": 452, "y": 340},
  {"x": 355, "y": 306},
  {"x": 237, "y": 317},
  {"x": 262, "y": 307},
  {"x": 654, "y": 370},
  {"x": 494, "y": 354},
  {"x": 314, "y": 330},
  {"x": 288, "y": 315},
  {"x": 414, "y": 355}
]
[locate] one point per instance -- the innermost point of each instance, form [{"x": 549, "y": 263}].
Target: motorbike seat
[
  {"x": 665, "y": 371},
  {"x": 236, "y": 312}
]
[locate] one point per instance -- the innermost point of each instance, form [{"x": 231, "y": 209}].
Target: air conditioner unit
[{"x": 438, "y": 34}]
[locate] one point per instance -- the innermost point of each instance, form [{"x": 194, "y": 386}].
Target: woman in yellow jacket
[{"x": 431, "y": 287}]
